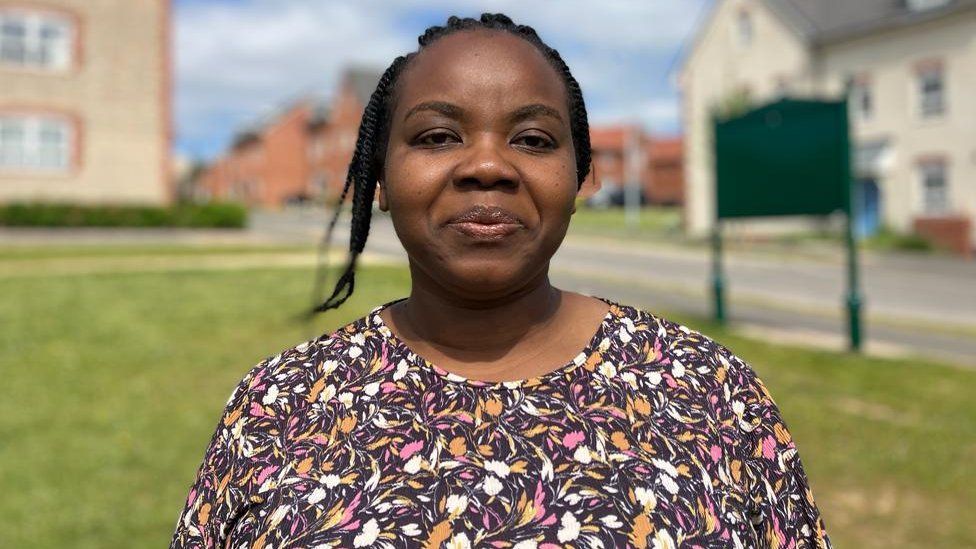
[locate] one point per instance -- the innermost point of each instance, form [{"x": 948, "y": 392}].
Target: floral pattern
[{"x": 653, "y": 436}]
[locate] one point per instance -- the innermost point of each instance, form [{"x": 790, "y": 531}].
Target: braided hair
[{"x": 367, "y": 159}]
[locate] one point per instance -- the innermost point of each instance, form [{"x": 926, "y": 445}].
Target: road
[{"x": 914, "y": 305}]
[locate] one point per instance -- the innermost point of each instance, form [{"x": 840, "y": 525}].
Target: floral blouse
[{"x": 653, "y": 436}]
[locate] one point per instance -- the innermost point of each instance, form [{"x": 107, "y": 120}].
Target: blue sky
[{"x": 239, "y": 60}]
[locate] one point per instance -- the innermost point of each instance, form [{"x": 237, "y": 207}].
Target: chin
[{"x": 484, "y": 277}]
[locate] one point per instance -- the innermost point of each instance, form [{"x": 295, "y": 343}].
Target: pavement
[{"x": 914, "y": 305}]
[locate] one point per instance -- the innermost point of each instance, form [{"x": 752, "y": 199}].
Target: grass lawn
[
  {"x": 100, "y": 436},
  {"x": 654, "y": 223}
]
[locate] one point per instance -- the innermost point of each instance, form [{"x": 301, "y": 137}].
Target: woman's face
[{"x": 480, "y": 121}]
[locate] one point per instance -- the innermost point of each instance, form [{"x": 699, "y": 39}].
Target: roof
[
  {"x": 824, "y": 21},
  {"x": 363, "y": 82}
]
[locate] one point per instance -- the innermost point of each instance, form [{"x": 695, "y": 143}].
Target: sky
[{"x": 237, "y": 61}]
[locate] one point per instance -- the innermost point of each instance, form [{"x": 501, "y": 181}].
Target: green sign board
[{"x": 791, "y": 157}]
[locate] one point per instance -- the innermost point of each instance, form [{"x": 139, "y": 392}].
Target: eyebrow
[{"x": 453, "y": 111}]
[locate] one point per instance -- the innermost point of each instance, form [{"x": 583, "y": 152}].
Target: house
[
  {"x": 85, "y": 98},
  {"x": 907, "y": 67},
  {"x": 300, "y": 152},
  {"x": 623, "y": 153}
]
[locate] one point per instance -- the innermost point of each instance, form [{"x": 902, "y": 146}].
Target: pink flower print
[{"x": 572, "y": 439}]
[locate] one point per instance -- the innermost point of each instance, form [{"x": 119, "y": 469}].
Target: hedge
[{"x": 222, "y": 215}]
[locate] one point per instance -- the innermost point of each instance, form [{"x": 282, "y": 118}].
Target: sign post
[{"x": 790, "y": 157}]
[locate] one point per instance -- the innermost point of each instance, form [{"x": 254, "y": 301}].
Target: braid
[
  {"x": 362, "y": 176},
  {"x": 367, "y": 160}
]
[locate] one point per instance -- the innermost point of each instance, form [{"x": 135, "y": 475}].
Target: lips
[{"x": 483, "y": 222}]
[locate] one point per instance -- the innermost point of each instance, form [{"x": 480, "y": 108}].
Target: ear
[{"x": 382, "y": 196}]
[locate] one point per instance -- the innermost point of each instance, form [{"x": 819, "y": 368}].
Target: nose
[{"x": 485, "y": 165}]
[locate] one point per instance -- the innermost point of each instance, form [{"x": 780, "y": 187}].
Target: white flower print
[
  {"x": 608, "y": 370},
  {"x": 492, "y": 485},
  {"x": 413, "y": 464},
  {"x": 629, "y": 378},
  {"x": 526, "y": 544},
  {"x": 355, "y": 351},
  {"x": 346, "y": 399},
  {"x": 459, "y": 541},
  {"x": 582, "y": 454},
  {"x": 372, "y": 388},
  {"x": 370, "y": 532},
  {"x": 663, "y": 540},
  {"x": 570, "y": 528},
  {"x": 624, "y": 335},
  {"x": 401, "y": 370},
  {"x": 677, "y": 368},
  {"x": 653, "y": 377},
  {"x": 271, "y": 395},
  {"x": 645, "y": 497},
  {"x": 327, "y": 393},
  {"x": 411, "y": 529},
  {"x": 611, "y": 521},
  {"x": 500, "y": 468},
  {"x": 316, "y": 496},
  {"x": 456, "y": 504},
  {"x": 330, "y": 480}
]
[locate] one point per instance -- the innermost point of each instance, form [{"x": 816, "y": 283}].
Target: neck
[{"x": 479, "y": 325}]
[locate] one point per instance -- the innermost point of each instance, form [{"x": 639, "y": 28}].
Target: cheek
[{"x": 412, "y": 185}]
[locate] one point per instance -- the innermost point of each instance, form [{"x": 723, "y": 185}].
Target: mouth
[{"x": 482, "y": 222}]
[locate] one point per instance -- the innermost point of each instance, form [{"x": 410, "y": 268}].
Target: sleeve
[
  {"x": 782, "y": 509},
  {"x": 221, "y": 490}
]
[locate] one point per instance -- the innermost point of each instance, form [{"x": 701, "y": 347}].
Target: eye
[
  {"x": 535, "y": 141},
  {"x": 437, "y": 139}
]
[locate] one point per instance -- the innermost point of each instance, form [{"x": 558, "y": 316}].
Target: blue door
[{"x": 867, "y": 205}]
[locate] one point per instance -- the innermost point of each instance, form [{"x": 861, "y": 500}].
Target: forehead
[{"x": 487, "y": 68}]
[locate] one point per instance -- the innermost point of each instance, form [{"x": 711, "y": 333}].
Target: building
[
  {"x": 622, "y": 153},
  {"x": 299, "y": 153},
  {"x": 908, "y": 67},
  {"x": 85, "y": 101}
]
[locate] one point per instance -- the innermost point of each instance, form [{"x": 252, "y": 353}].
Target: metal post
[
  {"x": 853, "y": 287},
  {"x": 717, "y": 277}
]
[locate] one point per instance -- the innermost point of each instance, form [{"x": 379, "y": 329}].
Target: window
[
  {"x": 35, "y": 40},
  {"x": 35, "y": 143},
  {"x": 860, "y": 97},
  {"x": 931, "y": 90},
  {"x": 935, "y": 189},
  {"x": 743, "y": 28}
]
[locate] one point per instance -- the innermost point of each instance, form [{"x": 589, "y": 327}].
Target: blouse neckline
[{"x": 606, "y": 328}]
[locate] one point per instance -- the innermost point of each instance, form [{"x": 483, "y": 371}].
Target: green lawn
[
  {"x": 654, "y": 223},
  {"x": 100, "y": 436}
]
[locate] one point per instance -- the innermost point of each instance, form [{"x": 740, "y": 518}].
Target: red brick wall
[
  {"x": 950, "y": 232},
  {"x": 332, "y": 144}
]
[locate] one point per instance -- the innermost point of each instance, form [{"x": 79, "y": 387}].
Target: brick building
[
  {"x": 657, "y": 162},
  {"x": 85, "y": 101},
  {"x": 299, "y": 153}
]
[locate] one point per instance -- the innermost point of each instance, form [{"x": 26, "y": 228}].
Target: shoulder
[
  {"x": 676, "y": 351},
  {"x": 296, "y": 376}
]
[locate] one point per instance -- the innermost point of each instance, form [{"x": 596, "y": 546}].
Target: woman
[{"x": 489, "y": 408}]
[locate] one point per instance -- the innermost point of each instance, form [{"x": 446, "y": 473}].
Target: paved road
[{"x": 915, "y": 304}]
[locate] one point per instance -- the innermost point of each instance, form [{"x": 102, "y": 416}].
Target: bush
[
  {"x": 220, "y": 215},
  {"x": 888, "y": 239}
]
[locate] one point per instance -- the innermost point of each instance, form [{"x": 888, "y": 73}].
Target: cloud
[{"x": 237, "y": 60}]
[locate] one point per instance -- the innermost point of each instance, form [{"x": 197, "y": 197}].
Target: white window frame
[
  {"x": 921, "y": 98},
  {"x": 860, "y": 89},
  {"x": 37, "y": 48},
  {"x": 934, "y": 201},
  {"x": 23, "y": 147}
]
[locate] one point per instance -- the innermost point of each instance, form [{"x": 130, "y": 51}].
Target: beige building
[
  {"x": 910, "y": 69},
  {"x": 85, "y": 101}
]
